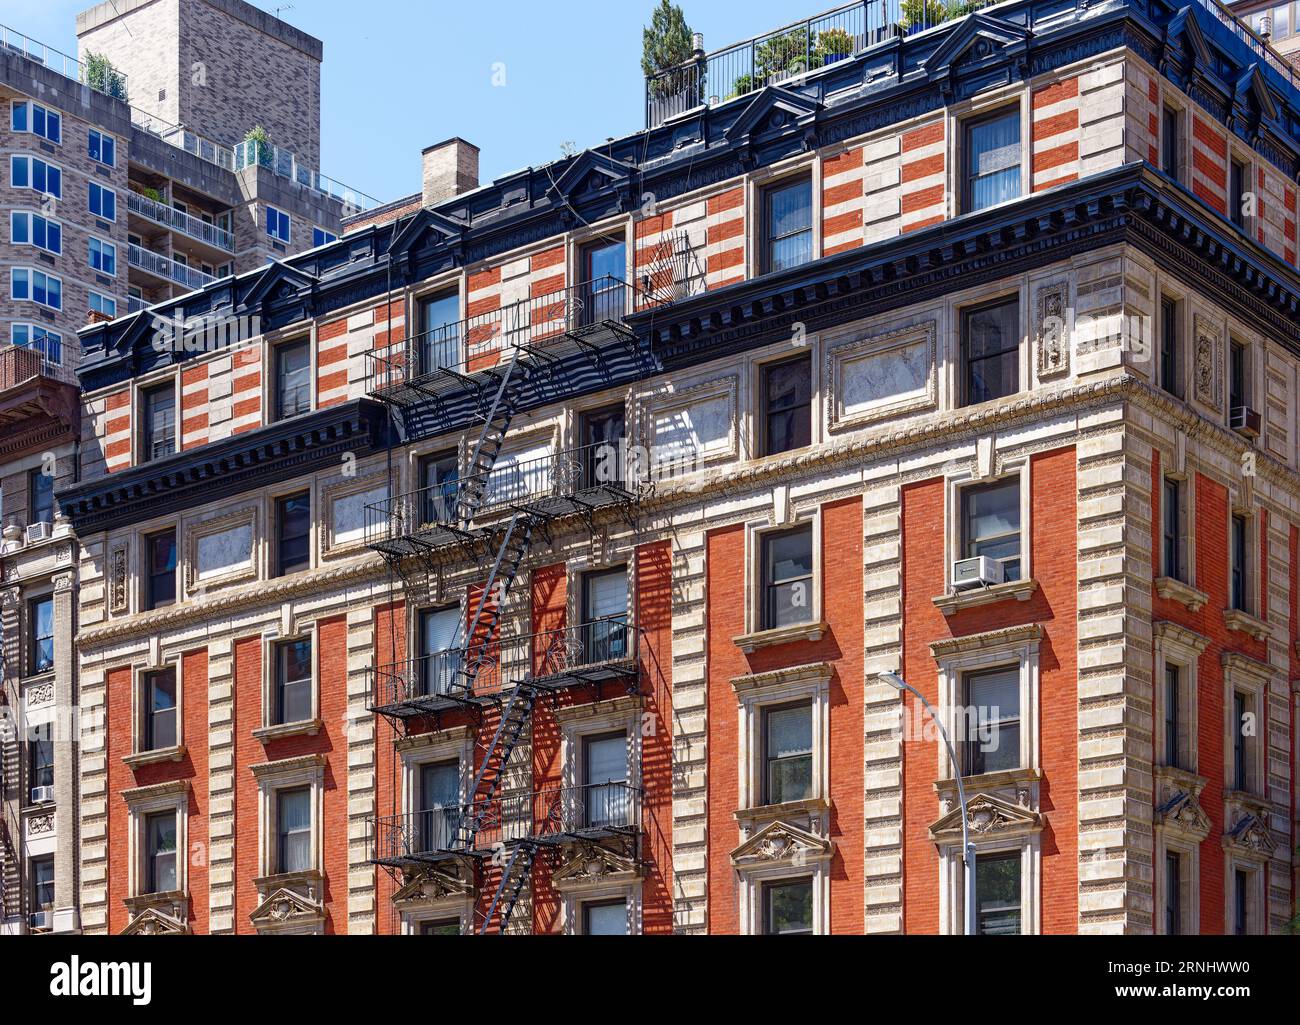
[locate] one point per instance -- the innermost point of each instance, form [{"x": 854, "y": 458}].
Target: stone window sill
[
  {"x": 1175, "y": 590},
  {"x": 1244, "y": 622},
  {"x": 308, "y": 728},
  {"x": 750, "y": 643},
  {"x": 956, "y": 601},
  {"x": 165, "y": 754}
]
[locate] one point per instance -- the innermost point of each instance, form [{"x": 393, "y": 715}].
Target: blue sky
[{"x": 402, "y": 74}]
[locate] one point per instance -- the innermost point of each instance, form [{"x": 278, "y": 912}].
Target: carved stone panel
[
  {"x": 1052, "y": 329},
  {"x": 1207, "y": 370}
]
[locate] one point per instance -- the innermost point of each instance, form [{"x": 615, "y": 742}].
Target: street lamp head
[{"x": 894, "y": 680}]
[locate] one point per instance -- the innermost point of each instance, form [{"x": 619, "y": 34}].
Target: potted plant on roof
[
  {"x": 782, "y": 56},
  {"x": 100, "y": 74},
  {"x": 257, "y": 147},
  {"x": 833, "y": 44}
]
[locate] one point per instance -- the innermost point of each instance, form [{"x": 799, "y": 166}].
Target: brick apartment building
[
  {"x": 123, "y": 184},
  {"x": 537, "y": 565}
]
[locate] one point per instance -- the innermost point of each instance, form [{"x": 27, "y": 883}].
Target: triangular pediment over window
[
  {"x": 978, "y": 38},
  {"x": 424, "y": 224},
  {"x": 286, "y": 909},
  {"x": 988, "y": 816},
  {"x": 277, "y": 282},
  {"x": 773, "y": 110},
  {"x": 592, "y": 174},
  {"x": 155, "y": 922},
  {"x": 1251, "y": 835},
  {"x": 447, "y": 881},
  {"x": 781, "y": 843}
]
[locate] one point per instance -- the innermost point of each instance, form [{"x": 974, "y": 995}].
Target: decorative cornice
[
  {"x": 1012, "y": 636},
  {"x": 814, "y": 672},
  {"x": 1175, "y": 633}
]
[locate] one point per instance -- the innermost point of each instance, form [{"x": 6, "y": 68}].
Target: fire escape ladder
[
  {"x": 515, "y": 716},
  {"x": 514, "y": 877},
  {"x": 514, "y": 546},
  {"x": 496, "y": 423}
]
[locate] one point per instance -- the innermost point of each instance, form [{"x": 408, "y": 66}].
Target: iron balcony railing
[
  {"x": 605, "y": 649},
  {"x": 101, "y": 77},
  {"x": 554, "y": 484},
  {"x": 186, "y": 224},
  {"x": 163, "y": 267},
  {"x": 468, "y": 346},
  {"x": 552, "y": 815}
]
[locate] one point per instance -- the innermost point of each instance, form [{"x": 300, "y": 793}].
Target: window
[
  {"x": 35, "y": 174},
  {"x": 40, "y": 497},
  {"x": 604, "y": 616},
  {"x": 40, "y": 625},
  {"x": 292, "y": 379},
  {"x": 990, "y": 524},
  {"x": 277, "y": 224},
  {"x": 160, "y": 570},
  {"x": 293, "y": 682},
  {"x": 788, "y": 908},
  {"x": 293, "y": 830},
  {"x": 102, "y": 148},
  {"x": 997, "y": 894},
  {"x": 1238, "y": 380},
  {"x": 160, "y": 710},
  {"x": 37, "y": 120},
  {"x": 604, "y": 778},
  {"x": 992, "y": 726},
  {"x": 1241, "y": 708},
  {"x": 1173, "y": 894},
  {"x": 103, "y": 202},
  {"x": 1172, "y": 717},
  {"x": 321, "y": 237},
  {"x": 1172, "y": 514},
  {"x": 1241, "y": 902},
  {"x": 1240, "y": 570},
  {"x": 439, "y": 475},
  {"x": 439, "y": 822},
  {"x": 103, "y": 305},
  {"x": 991, "y": 174},
  {"x": 158, "y": 422},
  {"x": 42, "y": 757},
  {"x": 787, "y": 405},
  {"x": 604, "y": 266},
  {"x": 160, "y": 845},
  {"x": 990, "y": 338},
  {"x": 440, "y": 927},
  {"x": 29, "y": 229},
  {"x": 293, "y": 533},
  {"x": 32, "y": 336},
  {"x": 36, "y": 286},
  {"x": 1238, "y": 179},
  {"x": 439, "y": 332},
  {"x": 441, "y": 656},
  {"x": 787, "y": 753},
  {"x": 787, "y": 225},
  {"x": 1170, "y": 142},
  {"x": 103, "y": 257},
  {"x": 604, "y": 918},
  {"x": 787, "y": 568},
  {"x": 603, "y": 432},
  {"x": 42, "y": 883}
]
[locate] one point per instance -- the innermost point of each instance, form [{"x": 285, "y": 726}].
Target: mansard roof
[{"x": 890, "y": 82}]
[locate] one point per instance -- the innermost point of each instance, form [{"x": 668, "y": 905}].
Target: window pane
[
  {"x": 161, "y": 724},
  {"x": 991, "y": 524},
  {"x": 788, "y": 910},
  {"x": 162, "y": 570},
  {"x": 294, "y": 667},
  {"x": 787, "y": 398},
  {"x": 993, "y": 154},
  {"x": 788, "y": 742},
  {"x": 991, "y": 343},
  {"x": 993, "y": 704},
  {"x": 787, "y": 572},
  {"x": 161, "y": 839},
  {"x": 605, "y": 919},
  {"x": 604, "y": 773},
  {"x": 293, "y": 518},
  {"x": 293, "y": 811},
  {"x": 42, "y": 497},
  {"x": 293, "y": 379},
  {"x": 789, "y": 225},
  {"x": 997, "y": 895},
  {"x": 439, "y": 818},
  {"x": 440, "y": 332},
  {"x": 42, "y": 631}
]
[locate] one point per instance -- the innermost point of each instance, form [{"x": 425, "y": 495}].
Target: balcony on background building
[
  {"x": 162, "y": 267},
  {"x": 186, "y": 224},
  {"x": 792, "y": 53},
  {"x": 251, "y": 153},
  {"x": 101, "y": 78}
]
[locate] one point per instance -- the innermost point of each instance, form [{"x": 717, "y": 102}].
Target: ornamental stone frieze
[
  {"x": 988, "y": 817},
  {"x": 781, "y": 843},
  {"x": 1178, "y": 804},
  {"x": 585, "y": 864},
  {"x": 451, "y": 880}
]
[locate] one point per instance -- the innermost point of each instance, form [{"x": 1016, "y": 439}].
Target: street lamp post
[{"x": 967, "y": 848}]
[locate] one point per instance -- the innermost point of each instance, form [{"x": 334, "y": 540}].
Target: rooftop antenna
[{"x": 283, "y": 7}]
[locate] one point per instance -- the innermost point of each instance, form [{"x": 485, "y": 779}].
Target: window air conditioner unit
[
  {"x": 38, "y": 532},
  {"x": 1245, "y": 421},
  {"x": 42, "y": 920},
  {"x": 978, "y": 572},
  {"x": 42, "y": 795}
]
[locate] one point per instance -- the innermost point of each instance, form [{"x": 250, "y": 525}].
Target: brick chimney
[{"x": 450, "y": 168}]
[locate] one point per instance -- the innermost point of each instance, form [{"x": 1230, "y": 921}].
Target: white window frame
[
  {"x": 952, "y": 874},
  {"x": 573, "y": 906},
  {"x": 103, "y": 299},
  {"x": 270, "y": 729},
  {"x": 140, "y": 710},
  {"x": 429, "y": 749},
  {"x": 753, "y": 881},
  {"x": 102, "y": 136},
  {"x": 32, "y": 216},
  {"x": 49, "y": 112},
  {"x": 32, "y": 329},
  {"x": 755, "y": 695},
  {"x": 288, "y": 223},
  {"x": 1019, "y": 466},
  {"x": 755, "y": 532},
  {"x": 30, "y": 159},
  {"x": 102, "y": 244},
  {"x": 272, "y": 778},
  {"x": 90, "y": 199},
  {"x": 1178, "y": 646},
  {"x": 140, "y": 804},
  {"x": 31, "y": 287}
]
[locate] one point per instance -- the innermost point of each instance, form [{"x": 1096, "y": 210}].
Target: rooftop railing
[
  {"x": 250, "y": 152},
  {"x": 98, "y": 76},
  {"x": 186, "y": 224},
  {"x": 818, "y": 42}
]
